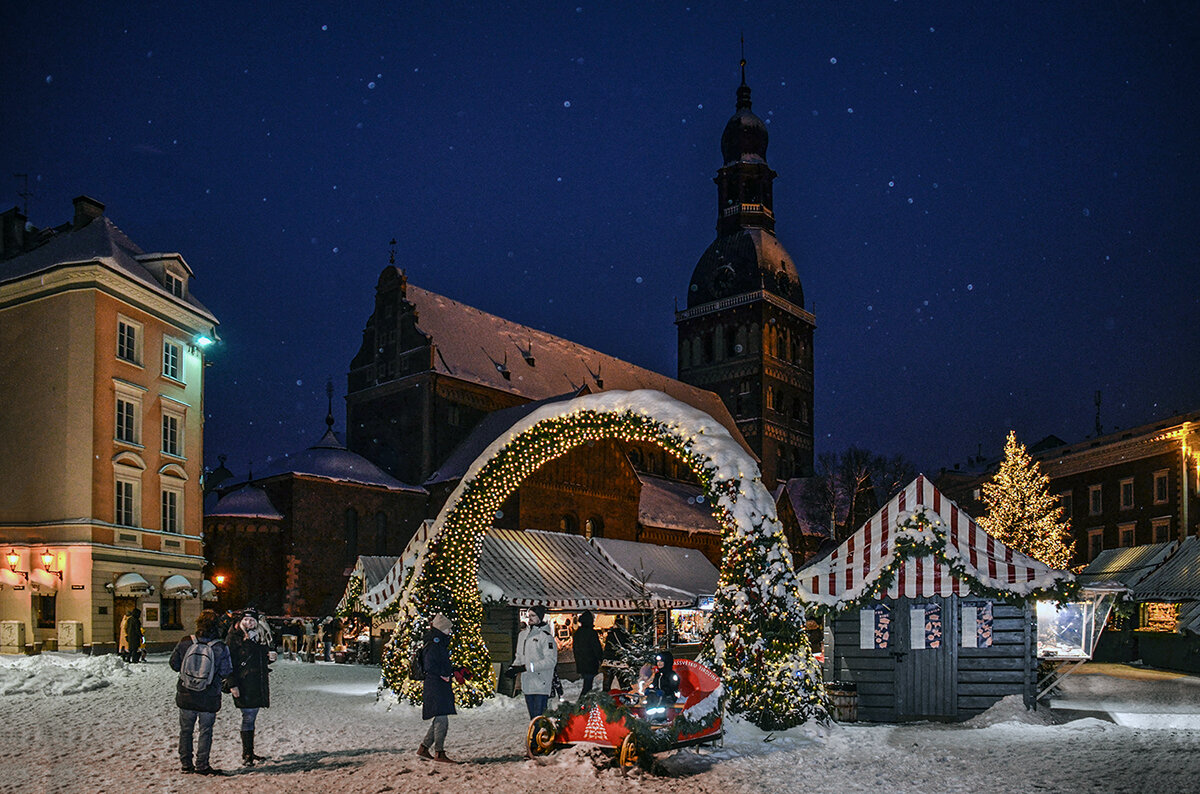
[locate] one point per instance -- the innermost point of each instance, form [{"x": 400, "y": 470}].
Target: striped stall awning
[{"x": 853, "y": 567}]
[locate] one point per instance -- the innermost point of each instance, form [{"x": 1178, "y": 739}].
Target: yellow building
[{"x": 101, "y": 435}]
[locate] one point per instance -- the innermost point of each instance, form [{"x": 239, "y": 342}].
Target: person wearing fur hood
[
  {"x": 249, "y": 682},
  {"x": 535, "y": 660}
]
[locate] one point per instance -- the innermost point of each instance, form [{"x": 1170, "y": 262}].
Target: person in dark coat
[
  {"x": 614, "y": 652},
  {"x": 437, "y": 696},
  {"x": 588, "y": 652},
  {"x": 134, "y": 635},
  {"x": 249, "y": 683},
  {"x": 201, "y": 706},
  {"x": 664, "y": 686}
]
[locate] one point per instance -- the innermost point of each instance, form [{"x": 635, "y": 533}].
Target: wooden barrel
[{"x": 844, "y": 699}]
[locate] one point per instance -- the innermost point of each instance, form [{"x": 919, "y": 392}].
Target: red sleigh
[{"x": 696, "y": 683}]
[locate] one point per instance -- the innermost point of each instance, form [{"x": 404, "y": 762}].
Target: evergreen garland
[
  {"x": 351, "y": 603},
  {"x": 651, "y": 737}
]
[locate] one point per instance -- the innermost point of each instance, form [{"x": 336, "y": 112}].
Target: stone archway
[{"x": 757, "y": 577}]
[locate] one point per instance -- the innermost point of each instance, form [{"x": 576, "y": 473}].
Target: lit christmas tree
[{"x": 1021, "y": 512}]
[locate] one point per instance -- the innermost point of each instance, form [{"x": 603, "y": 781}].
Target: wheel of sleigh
[{"x": 540, "y": 741}]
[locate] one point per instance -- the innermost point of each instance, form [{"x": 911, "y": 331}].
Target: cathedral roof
[
  {"x": 491, "y": 351},
  {"x": 249, "y": 501},
  {"x": 329, "y": 459},
  {"x": 747, "y": 260}
]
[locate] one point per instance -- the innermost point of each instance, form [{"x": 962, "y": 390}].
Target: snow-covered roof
[
  {"x": 671, "y": 504},
  {"x": 853, "y": 567},
  {"x": 480, "y": 347},
  {"x": 330, "y": 459},
  {"x": 249, "y": 501},
  {"x": 558, "y": 571},
  {"x": 1128, "y": 565},
  {"x": 99, "y": 241},
  {"x": 1177, "y": 578},
  {"x": 670, "y": 572},
  {"x": 373, "y": 569}
]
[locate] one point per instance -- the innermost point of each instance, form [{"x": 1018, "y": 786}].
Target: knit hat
[
  {"x": 441, "y": 623},
  {"x": 540, "y": 611}
]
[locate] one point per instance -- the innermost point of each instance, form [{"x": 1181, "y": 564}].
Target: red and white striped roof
[{"x": 845, "y": 575}]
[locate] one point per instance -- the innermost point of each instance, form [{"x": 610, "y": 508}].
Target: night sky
[{"x": 992, "y": 207}]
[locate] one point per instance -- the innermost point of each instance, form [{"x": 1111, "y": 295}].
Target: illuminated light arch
[{"x": 444, "y": 577}]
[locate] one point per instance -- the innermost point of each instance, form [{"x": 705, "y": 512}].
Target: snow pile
[
  {"x": 60, "y": 674},
  {"x": 1010, "y": 709}
]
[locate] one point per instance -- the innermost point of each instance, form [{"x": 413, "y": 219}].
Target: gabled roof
[
  {"x": 249, "y": 501},
  {"x": 479, "y": 347},
  {"x": 669, "y": 572},
  {"x": 672, "y": 504},
  {"x": 330, "y": 460},
  {"x": 854, "y": 567},
  {"x": 99, "y": 241},
  {"x": 558, "y": 571},
  {"x": 1177, "y": 578},
  {"x": 1128, "y": 565}
]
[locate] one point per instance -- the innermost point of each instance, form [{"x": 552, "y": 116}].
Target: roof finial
[
  {"x": 743, "y": 59},
  {"x": 392, "y": 252},
  {"x": 249, "y": 471},
  {"x": 329, "y": 396}
]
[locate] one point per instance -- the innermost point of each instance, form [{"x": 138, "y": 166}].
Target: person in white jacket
[{"x": 535, "y": 660}]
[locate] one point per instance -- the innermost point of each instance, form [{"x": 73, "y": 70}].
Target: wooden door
[
  {"x": 122, "y": 606},
  {"x": 926, "y": 634}
]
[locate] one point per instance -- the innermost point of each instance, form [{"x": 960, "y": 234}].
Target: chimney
[
  {"x": 87, "y": 209},
  {"x": 12, "y": 233}
]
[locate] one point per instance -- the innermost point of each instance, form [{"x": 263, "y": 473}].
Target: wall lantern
[
  {"x": 14, "y": 560},
  {"x": 48, "y": 563}
]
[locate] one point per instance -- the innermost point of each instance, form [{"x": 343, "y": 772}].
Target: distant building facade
[
  {"x": 101, "y": 432},
  {"x": 286, "y": 542},
  {"x": 1127, "y": 488},
  {"x": 745, "y": 333}
]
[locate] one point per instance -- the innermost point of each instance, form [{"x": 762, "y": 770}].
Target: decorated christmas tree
[
  {"x": 756, "y": 641},
  {"x": 1021, "y": 512}
]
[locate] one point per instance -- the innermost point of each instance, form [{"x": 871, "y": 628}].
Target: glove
[
  {"x": 460, "y": 675},
  {"x": 514, "y": 670}
]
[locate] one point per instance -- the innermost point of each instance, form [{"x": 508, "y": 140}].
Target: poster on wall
[
  {"x": 151, "y": 616},
  {"x": 875, "y": 627}
]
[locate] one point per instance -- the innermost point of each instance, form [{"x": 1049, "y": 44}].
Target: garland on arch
[
  {"x": 920, "y": 536},
  {"x": 651, "y": 737},
  {"x": 351, "y": 602}
]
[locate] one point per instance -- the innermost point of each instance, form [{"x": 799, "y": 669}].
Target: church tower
[{"x": 745, "y": 333}]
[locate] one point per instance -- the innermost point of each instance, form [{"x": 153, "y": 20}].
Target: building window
[
  {"x": 1125, "y": 535},
  {"x": 174, "y": 284},
  {"x": 127, "y": 502},
  {"x": 744, "y": 387},
  {"x": 453, "y": 416},
  {"x": 1095, "y": 542},
  {"x": 770, "y": 398},
  {"x": 172, "y": 437},
  {"x": 1127, "y": 494},
  {"x": 1160, "y": 487},
  {"x": 129, "y": 341},
  {"x": 593, "y": 527},
  {"x": 1068, "y": 504},
  {"x": 171, "y": 499},
  {"x": 127, "y": 420},
  {"x": 568, "y": 524},
  {"x": 1095, "y": 500},
  {"x": 1160, "y": 529},
  {"x": 381, "y": 533},
  {"x": 172, "y": 613},
  {"x": 44, "y": 609},
  {"x": 351, "y": 530},
  {"x": 172, "y": 363}
]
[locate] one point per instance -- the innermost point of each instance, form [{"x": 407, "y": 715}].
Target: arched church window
[
  {"x": 593, "y": 527},
  {"x": 568, "y": 524},
  {"x": 351, "y": 535}
]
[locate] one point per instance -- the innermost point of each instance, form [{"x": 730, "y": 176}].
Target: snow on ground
[{"x": 76, "y": 723}]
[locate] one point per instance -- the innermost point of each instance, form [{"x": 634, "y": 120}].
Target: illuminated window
[
  {"x": 172, "y": 362},
  {"x": 1095, "y": 500},
  {"x": 172, "y": 433},
  {"x": 1159, "y": 616},
  {"x": 1127, "y": 494},
  {"x": 593, "y": 527},
  {"x": 1095, "y": 542}
]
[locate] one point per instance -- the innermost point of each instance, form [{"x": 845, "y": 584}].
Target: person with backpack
[
  {"x": 202, "y": 662},
  {"x": 249, "y": 683},
  {"x": 437, "y": 695}
]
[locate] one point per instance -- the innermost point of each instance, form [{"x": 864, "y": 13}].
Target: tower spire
[
  {"x": 743, "y": 59},
  {"x": 329, "y": 397}
]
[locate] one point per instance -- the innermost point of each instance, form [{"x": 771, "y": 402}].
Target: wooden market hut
[{"x": 928, "y": 616}]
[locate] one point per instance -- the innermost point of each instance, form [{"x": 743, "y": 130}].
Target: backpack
[
  {"x": 416, "y": 664},
  {"x": 199, "y": 665}
]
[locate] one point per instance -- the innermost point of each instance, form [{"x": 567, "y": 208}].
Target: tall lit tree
[{"x": 1022, "y": 513}]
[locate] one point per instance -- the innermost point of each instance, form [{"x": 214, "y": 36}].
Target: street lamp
[
  {"x": 48, "y": 563},
  {"x": 14, "y": 560}
]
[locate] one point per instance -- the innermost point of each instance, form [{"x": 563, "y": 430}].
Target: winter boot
[
  {"x": 248, "y": 756},
  {"x": 445, "y": 759},
  {"x": 423, "y": 752}
]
